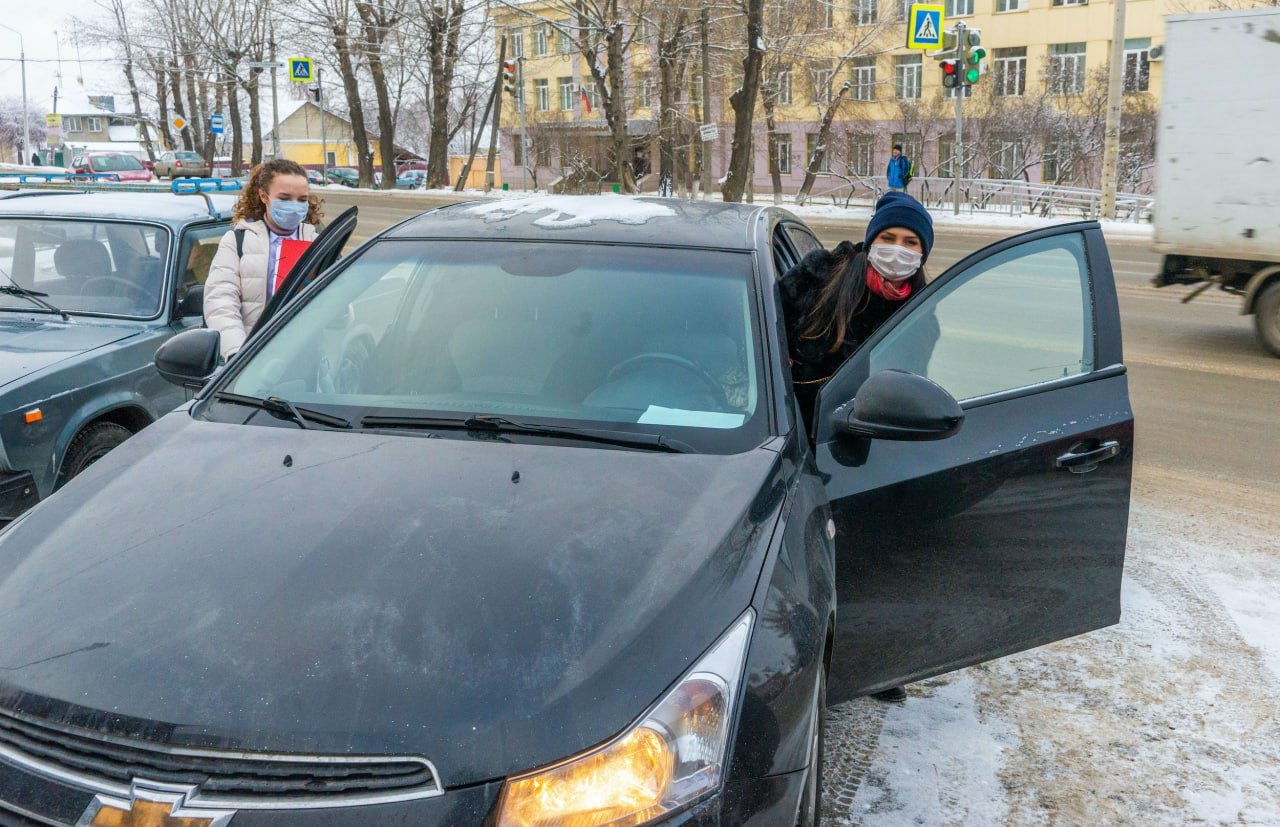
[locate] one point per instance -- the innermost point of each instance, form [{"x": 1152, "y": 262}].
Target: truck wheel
[
  {"x": 89, "y": 446},
  {"x": 1267, "y": 317}
]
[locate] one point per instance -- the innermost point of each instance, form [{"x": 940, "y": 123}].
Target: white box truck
[{"x": 1217, "y": 210}]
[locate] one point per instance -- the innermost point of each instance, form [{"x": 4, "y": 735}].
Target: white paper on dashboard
[{"x": 657, "y": 415}]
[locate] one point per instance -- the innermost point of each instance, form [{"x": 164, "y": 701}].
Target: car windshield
[
  {"x": 110, "y": 268},
  {"x": 115, "y": 163},
  {"x": 188, "y": 156},
  {"x": 637, "y": 339}
]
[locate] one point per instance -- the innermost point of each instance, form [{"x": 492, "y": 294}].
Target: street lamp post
[{"x": 26, "y": 117}]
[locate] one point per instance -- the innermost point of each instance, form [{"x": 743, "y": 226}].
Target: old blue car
[{"x": 91, "y": 283}]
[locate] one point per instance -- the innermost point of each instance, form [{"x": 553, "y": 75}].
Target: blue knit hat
[{"x": 897, "y": 209}]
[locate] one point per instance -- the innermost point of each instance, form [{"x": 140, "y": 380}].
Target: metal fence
[{"x": 987, "y": 196}]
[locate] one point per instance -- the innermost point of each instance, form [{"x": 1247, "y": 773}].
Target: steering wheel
[
  {"x": 85, "y": 291},
  {"x": 627, "y": 366}
]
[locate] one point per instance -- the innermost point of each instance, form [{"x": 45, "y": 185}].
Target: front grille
[{"x": 105, "y": 762}]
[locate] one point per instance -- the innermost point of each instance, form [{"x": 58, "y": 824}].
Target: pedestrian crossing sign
[
  {"x": 925, "y": 25},
  {"x": 301, "y": 70}
]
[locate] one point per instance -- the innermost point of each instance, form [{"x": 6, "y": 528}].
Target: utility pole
[
  {"x": 962, "y": 45},
  {"x": 705, "y": 25},
  {"x": 275, "y": 105},
  {"x": 524, "y": 143},
  {"x": 324, "y": 134},
  {"x": 497, "y": 116},
  {"x": 1111, "y": 137},
  {"x": 26, "y": 117}
]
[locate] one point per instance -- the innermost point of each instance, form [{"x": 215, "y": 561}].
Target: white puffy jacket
[{"x": 235, "y": 293}]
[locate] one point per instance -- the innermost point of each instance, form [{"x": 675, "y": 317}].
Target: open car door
[
  {"x": 321, "y": 255},
  {"x": 1010, "y": 532}
]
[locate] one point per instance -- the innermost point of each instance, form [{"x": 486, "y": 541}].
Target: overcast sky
[{"x": 37, "y": 21}]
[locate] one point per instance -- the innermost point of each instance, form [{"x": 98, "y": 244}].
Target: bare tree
[
  {"x": 379, "y": 19},
  {"x": 743, "y": 101}
]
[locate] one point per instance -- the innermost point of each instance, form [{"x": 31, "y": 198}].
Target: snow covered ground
[{"x": 1170, "y": 717}]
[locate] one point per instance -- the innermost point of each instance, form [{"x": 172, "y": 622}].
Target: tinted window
[
  {"x": 198, "y": 247},
  {"x": 115, "y": 163},
  {"x": 1017, "y": 318},
  {"x": 84, "y": 266},
  {"x": 802, "y": 240},
  {"x": 188, "y": 156},
  {"x": 645, "y": 340}
]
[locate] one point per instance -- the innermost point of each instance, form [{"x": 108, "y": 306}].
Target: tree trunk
[
  {"x": 497, "y": 118},
  {"x": 670, "y": 72},
  {"x": 252, "y": 91},
  {"x": 611, "y": 87},
  {"x": 815, "y": 163},
  {"x": 386, "y": 122},
  {"x": 193, "y": 131},
  {"x": 175, "y": 89},
  {"x": 461, "y": 183},
  {"x": 442, "y": 46},
  {"x": 743, "y": 101},
  {"x": 775, "y": 165},
  {"x": 237, "y": 129},
  {"x": 351, "y": 86}
]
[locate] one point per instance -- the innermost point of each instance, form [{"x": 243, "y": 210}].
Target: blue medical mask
[{"x": 287, "y": 215}]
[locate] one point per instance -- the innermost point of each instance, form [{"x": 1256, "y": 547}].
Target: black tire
[
  {"x": 89, "y": 446},
  {"x": 810, "y": 814},
  {"x": 1266, "y": 320}
]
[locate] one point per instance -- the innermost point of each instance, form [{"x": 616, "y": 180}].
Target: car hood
[
  {"x": 286, "y": 590},
  {"x": 28, "y": 344}
]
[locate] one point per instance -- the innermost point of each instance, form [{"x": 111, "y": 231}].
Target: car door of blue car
[{"x": 1010, "y": 533}]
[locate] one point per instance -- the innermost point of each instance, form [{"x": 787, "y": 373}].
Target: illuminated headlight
[{"x": 671, "y": 757}]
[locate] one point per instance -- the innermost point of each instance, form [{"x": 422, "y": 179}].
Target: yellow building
[
  {"x": 1036, "y": 112},
  {"x": 303, "y": 140}
]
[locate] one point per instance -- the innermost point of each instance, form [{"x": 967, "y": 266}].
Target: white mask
[{"x": 893, "y": 262}]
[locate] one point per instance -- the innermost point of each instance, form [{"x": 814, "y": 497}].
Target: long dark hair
[{"x": 844, "y": 296}]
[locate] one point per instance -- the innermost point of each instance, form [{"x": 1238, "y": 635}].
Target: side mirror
[
  {"x": 189, "y": 358},
  {"x": 192, "y": 303},
  {"x": 896, "y": 404}
]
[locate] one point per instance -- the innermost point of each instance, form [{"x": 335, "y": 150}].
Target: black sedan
[{"x": 508, "y": 518}]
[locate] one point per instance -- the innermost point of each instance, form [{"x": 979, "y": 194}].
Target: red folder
[{"x": 291, "y": 249}]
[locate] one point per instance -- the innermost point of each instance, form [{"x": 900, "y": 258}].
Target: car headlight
[{"x": 669, "y": 758}]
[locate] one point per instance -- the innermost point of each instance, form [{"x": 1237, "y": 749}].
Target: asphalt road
[{"x": 1204, "y": 392}]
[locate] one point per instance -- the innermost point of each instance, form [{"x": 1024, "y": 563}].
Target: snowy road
[{"x": 1171, "y": 717}]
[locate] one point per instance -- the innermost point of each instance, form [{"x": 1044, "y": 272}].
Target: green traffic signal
[
  {"x": 976, "y": 56},
  {"x": 971, "y": 76}
]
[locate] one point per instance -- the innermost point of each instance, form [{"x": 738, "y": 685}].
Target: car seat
[{"x": 82, "y": 258}]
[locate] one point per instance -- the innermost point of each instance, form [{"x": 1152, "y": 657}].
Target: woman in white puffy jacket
[{"x": 277, "y": 204}]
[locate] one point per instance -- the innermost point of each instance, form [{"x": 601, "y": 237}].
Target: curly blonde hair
[{"x": 251, "y": 205}]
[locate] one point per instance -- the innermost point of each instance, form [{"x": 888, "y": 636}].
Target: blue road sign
[
  {"x": 217, "y": 124},
  {"x": 925, "y": 26},
  {"x": 301, "y": 70}
]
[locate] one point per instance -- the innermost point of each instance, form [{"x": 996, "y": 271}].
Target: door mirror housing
[
  {"x": 899, "y": 405},
  {"x": 189, "y": 358},
  {"x": 192, "y": 304}
]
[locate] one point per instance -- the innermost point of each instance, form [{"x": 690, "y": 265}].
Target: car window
[
  {"x": 113, "y": 268},
  {"x": 116, "y": 163},
  {"x": 784, "y": 252},
  {"x": 199, "y": 244},
  {"x": 649, "y": 339},
  {"x": 188, "y": 156},
  {"x": 802, "y": 240},
  {"x": 1018, "y": 318}
]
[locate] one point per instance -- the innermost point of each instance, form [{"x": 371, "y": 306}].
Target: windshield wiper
[
  {"x": 15, "y": 289},
  {"x": 498, "y": 424},
  {"x": 284, "y": 409}
]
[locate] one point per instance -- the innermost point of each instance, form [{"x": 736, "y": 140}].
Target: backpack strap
[{"x": 239, "y": 242}]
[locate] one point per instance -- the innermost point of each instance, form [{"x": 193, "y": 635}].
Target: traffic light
[
  {"x": 950, "y": 74},
  {"x": 974, "y": 69},
  {"x": 509, "y": 79}
]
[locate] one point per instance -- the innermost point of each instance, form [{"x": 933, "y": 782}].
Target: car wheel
[
  {"x": 810, "y": 814},
  {"x": 1267, "y": 318},
  {"x": 89, "y": 446}
]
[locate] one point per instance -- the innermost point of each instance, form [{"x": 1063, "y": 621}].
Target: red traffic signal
[{"x": 950, "y": 74}]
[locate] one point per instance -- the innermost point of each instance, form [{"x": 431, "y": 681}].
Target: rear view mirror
[
  {"x": 189, "y": 358},
  {"x": 896, "y": 404},
  {"x": 192, "y": 304}
]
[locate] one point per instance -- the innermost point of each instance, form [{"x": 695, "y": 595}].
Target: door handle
[{"x": 1082, "y": 462}]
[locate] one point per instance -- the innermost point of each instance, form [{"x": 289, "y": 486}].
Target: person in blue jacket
[{"x": 899, "y": 170}]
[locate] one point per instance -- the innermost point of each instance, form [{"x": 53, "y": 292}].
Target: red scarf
[{"x": 886, "y": 289}]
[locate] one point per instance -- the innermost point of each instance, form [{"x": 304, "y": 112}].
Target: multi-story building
[{"x": 1036, "y": 113}]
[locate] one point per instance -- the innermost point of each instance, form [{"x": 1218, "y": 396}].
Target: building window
[
  {"x": 540, "y": 41},
  {"x": 862, "y": 154},
  {"x": 912, "y": 145},
  {"x": 1066, "y": 69},
  {"x": 1070, "y": 2},
  {"x": 950, "y": 94},
  {"x": 541, "y": 152},
  {"x": 822, "y": 13},
  {"x": 864, "y": 12},
  {"x": 593, "y": 94},
  {"x": 1137, "y": 65},
  {"x": 1010, "y": 5},
  {"x": 95, "y": 124},
  {"x": 1006, "y": 158},
  {"x": 814, "y": 150},
  {"x": 1059, "y": 158},
  {"x": 906, "y": 76},
  {"x": 863, "y": 79},
  {"x": 1010, "y": 71},
  {"x": 904, "y": 9},
  {"x": 782, "y": 83},
  {"x": 71, "y": 124},
  {"x": 331, "y": 158},
  {"x": 542, "y": 90},
  {"x": 822, "y": 75},
  {"x": 517, "y": 43},
  {"x": 564, "y": 42},
  {"x": 566, "y": 93},
  {"x": 644, "y": 93},
  {"x": 784, "y": 154},
  {"x": 959, "y": 8},
  {"x": 642, "y": 31}
]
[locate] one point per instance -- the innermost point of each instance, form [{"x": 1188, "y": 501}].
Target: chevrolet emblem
[{"x": 152, "y": 804}]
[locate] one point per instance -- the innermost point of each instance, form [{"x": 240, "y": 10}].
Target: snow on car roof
[
  {"x": 150, "y": 206},
  {"x": 596, "y": 218}
]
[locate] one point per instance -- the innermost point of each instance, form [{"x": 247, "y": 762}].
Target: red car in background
[{"x": 124, "y": 167}]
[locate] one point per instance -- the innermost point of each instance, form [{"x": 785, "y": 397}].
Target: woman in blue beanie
[{"x": 833, "y": 300}]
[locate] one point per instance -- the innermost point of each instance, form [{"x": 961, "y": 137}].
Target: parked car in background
[
  {"x": 123, "y": 167},
  {"x": 411, "y": 179},
  {"x": 182, "y": 164},
  {"x": 509, "y": 519},
  {"x": 347, "y": 176},
  {"x": 314, "y": 177},
  {"x": 90, "y": 285}
]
